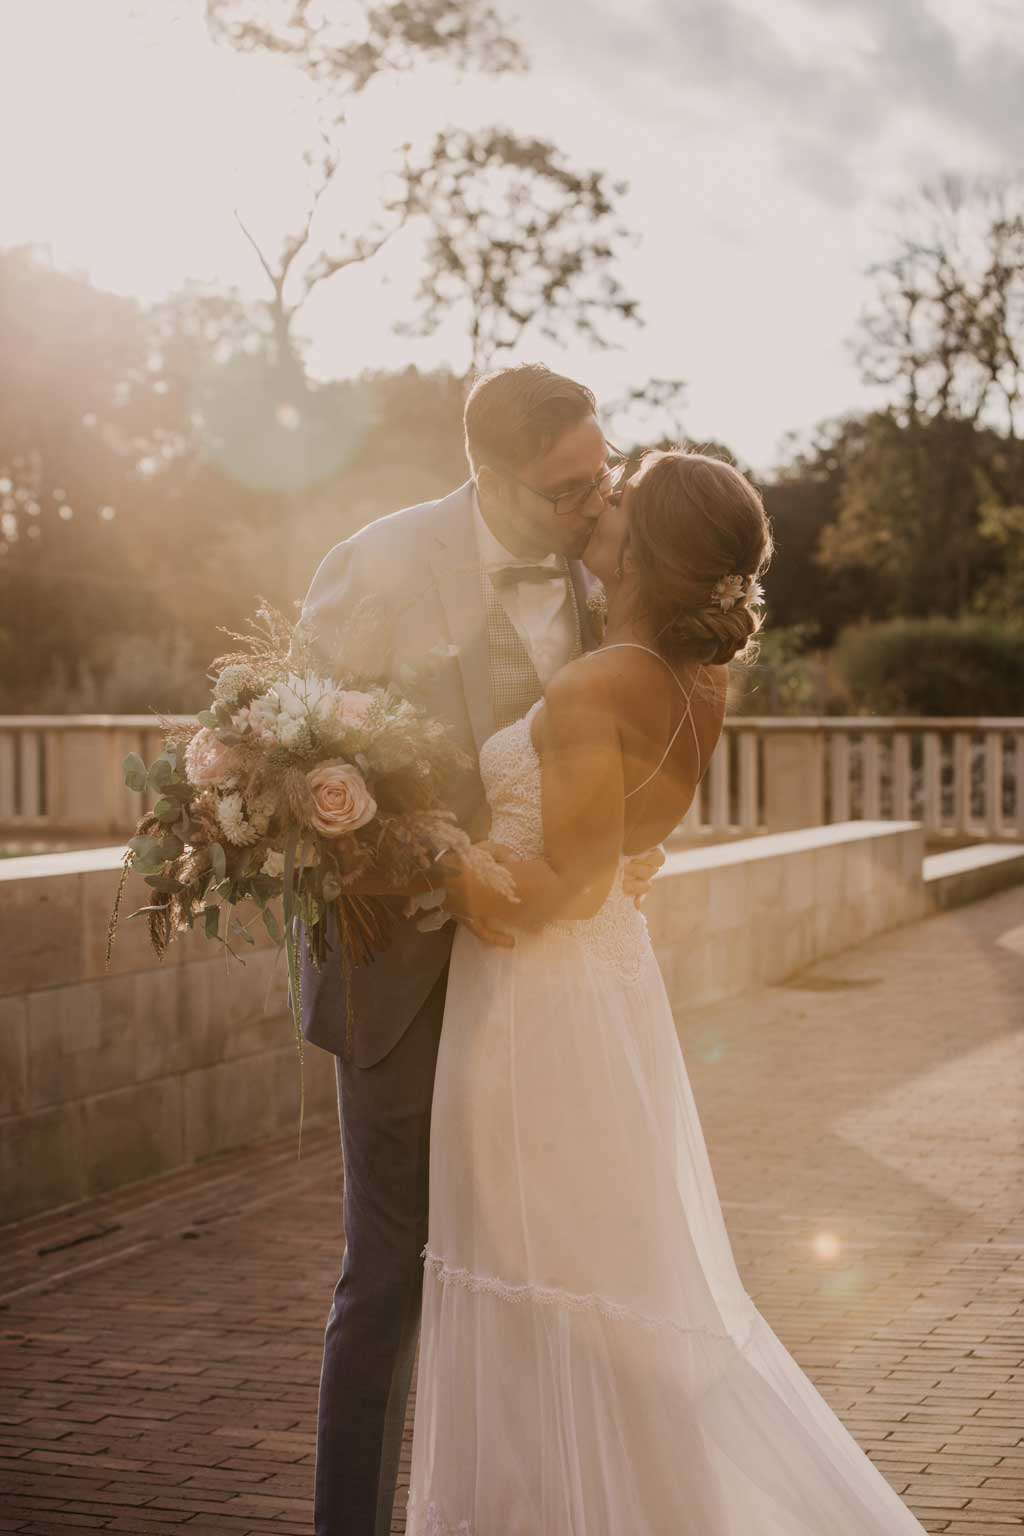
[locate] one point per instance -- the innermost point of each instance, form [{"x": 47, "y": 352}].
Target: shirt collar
[{"x": 493, "y": 554}]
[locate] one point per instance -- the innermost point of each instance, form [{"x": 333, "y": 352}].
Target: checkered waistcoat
[{"x": 514, "y": 681}]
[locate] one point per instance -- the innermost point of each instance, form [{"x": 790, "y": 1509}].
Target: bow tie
[{"x": 515, "y": 571}]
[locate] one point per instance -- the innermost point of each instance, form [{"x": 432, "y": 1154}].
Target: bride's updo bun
[{"x": 694, "y": 522}]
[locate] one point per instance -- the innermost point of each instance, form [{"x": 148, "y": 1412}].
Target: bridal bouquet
[{"x": 297, "y": 788}]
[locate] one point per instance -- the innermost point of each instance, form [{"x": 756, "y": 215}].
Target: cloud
[{"x": 825, "y": 80}]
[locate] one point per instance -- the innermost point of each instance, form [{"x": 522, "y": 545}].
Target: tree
[
  {"x": 65, "y": 348},
  {"x": 118, "y": 518},
  {"x": 516, "y": 238},
  {"x": 342, "y": 54},
  {"x": 803, "y": 501},
  {"x": 510, "y": 230},
  {"x": 945, "y": 337},
  {"x": 342, "y": 50},
  {"x": 650, "y": 415},
  {"x": 946, "y": 331}
]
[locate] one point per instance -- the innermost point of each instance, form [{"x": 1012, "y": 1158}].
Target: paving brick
[{"x": 166, "y": 1383}]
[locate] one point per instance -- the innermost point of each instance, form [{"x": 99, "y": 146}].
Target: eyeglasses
[{"x": 575, "y": 500}]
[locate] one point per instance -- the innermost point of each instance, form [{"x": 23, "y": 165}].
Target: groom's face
[{"x": 573, "y": 463}]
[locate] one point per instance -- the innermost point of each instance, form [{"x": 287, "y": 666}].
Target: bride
[{"x": 590, "y": 1363}]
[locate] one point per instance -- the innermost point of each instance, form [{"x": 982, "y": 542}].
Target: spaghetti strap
[{"x": 634, "y": 645}]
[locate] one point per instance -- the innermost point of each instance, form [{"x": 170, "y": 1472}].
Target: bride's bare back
[{"x": 649, "y": 707}]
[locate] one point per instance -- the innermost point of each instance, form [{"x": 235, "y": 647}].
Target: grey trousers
[{"x": 370, "y": 1338}]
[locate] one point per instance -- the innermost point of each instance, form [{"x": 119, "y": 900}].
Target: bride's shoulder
[{"x": 578, "y": 683}]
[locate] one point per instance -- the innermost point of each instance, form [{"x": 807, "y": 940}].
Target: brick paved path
[{"x": 159, "y": 1349}]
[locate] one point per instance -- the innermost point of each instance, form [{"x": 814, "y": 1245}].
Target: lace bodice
[{"x": 510, "y": 770}]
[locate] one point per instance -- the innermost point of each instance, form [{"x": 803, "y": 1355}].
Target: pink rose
[
  {"x": 341, "y": 799},
  {"x": 355, "y": 707},
  {"x": 346, "y": 709},
  {"x": 207, "y": 760}
]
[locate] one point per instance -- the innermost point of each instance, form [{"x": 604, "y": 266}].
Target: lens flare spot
[{"x": 826, "y": 1246}]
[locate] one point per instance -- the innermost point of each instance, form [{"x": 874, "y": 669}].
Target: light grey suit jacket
[{"x": 424, "y": 564}]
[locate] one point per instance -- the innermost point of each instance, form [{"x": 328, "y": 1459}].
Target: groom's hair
[{"x": 515, "y": 414}]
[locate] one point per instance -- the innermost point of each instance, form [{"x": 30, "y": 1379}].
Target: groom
[{"x": 489, "y": 580}]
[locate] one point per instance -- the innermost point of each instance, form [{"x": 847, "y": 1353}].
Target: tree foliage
[
  {"x": 343, "y": 49},
  {"x": 945, "y": 338},
  {"x": 651, "y": 415},
  {"x": 516, "y": 238},
  {"x": 933, "y": 667},
  {"x": 512, "y": 235}
]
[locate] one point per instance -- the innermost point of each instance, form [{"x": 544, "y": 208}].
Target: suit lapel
[{"x": 456, "y": 566}]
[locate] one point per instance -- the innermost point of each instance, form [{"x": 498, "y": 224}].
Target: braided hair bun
[{"x": 699, "y": 538}]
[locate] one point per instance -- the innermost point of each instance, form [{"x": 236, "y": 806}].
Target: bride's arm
[{"x": 582, "y": 805}]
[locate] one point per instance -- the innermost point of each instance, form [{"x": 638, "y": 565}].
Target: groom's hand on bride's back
[{"x": 640, "y": 872}]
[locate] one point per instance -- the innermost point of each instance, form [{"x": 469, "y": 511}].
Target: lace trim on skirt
[
  {"x": 570, "y": 1301},
  {"x": 427, "y": 1520}
]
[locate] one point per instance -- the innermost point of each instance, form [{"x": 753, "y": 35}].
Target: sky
[{"x": 765, "y": 144}]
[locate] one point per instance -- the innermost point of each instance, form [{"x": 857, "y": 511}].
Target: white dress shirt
[{"x": 541, "y": 612}]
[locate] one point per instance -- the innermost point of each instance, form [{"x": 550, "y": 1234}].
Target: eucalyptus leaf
[
  {"x": 208, "y": 718},
  {"x": 272, "y": 925},
  {"x": 218, "y": 860},
  {"x": 135, "y": 772},
  {"x": 172, "y": 847},
  {"x": 166, "y": 884},
  {"x": 211, "y": 918},
  {"x": 159, "y": 773},
  {"x": 166, "y": 810},
  {"x": 146, "y": 849}
]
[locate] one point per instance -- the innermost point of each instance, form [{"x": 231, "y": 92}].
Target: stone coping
[
  {"x": 774, "y": 844},
  {"x": 962, "y": 861},
  {"x": 88, "y": 722},
  {"x": 71, "y": 861},
  {"x": 83, "y": 861}
]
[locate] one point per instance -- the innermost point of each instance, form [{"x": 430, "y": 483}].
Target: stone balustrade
[{"x": 60, "y": 776}]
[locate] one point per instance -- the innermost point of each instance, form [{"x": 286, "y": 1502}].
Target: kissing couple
[{"x": 526, "y": 1183}]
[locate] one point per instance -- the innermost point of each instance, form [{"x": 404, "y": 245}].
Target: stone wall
[
  {"x": 110, "y": 1077},
  {"x": 741, "y": 915},
  {"x": 106, "y": 1078}
]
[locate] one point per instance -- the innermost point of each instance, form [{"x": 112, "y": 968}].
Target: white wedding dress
[{"x": 590, "y": 1363}]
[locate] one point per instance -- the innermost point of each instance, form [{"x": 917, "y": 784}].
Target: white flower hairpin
[{"x": 736, "y": 591}]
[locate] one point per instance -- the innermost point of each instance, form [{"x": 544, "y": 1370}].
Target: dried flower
[
  {"x": 273, "y": 864},
  {"x": 231, "y": 816},
  {"x": 233, "y": 682}
]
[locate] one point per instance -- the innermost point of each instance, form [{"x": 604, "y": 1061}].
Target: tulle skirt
[{"x": 590, "y": 1363}]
